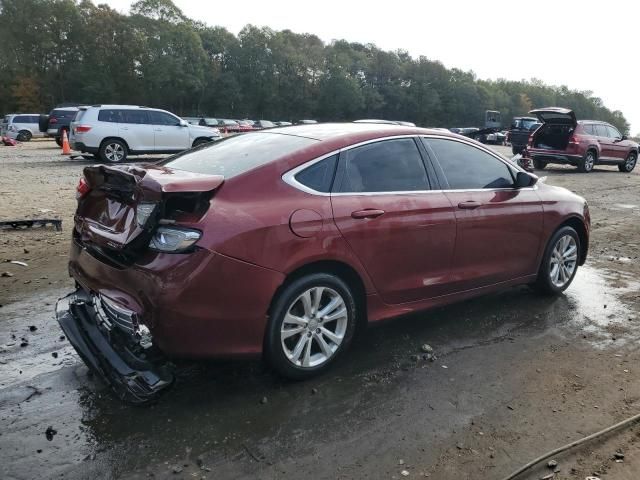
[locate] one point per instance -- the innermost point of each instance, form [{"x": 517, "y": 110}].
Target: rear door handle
[
  {"x": 367, "y": 213},
  {"x": 469, "y": 205}
]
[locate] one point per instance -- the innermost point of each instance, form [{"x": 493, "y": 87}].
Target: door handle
[
  {"x": 469, "y": 205},
  {"x": 124, "y": 128},
  {"x": 367, "y": 213}
]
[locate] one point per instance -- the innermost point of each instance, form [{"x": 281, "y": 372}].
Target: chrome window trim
[{"x": 289, "y": 176}]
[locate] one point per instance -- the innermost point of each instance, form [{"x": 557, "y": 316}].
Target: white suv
[
  {"x": 21, "y": 126},
  {"x": 115, "y": 131}
]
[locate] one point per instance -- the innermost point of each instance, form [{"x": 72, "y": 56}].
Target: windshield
[{"x": 239, "y": 154}]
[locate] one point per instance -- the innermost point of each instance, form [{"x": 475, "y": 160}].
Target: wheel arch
[
  {"x": 580, "y": 227},
  {"x": 595, "y": 149},
  {"x": 340, "y": 269}
]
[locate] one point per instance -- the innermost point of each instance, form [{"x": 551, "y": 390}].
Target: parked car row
[{"x": 239, "y": 126}]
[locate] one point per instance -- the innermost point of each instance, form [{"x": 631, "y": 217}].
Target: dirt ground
[{"x": 516, "y": 374}]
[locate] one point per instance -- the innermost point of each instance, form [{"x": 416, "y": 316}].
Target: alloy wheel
[
  {"x": 631, "y": 162},
  {"x": 314, "y": 327},
  {"x": 564, "y": 258},
  {"x": 589, "y": 161},
  {"x": 114, "y": 152}
]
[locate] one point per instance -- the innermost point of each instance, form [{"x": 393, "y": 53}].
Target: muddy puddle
[{"x": 239, "y": 409}]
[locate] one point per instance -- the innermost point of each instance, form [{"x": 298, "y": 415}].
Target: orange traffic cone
[{"x": 66, "y": 149}]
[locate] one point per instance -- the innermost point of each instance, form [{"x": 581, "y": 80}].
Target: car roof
[{"x": 343, "y": 134}]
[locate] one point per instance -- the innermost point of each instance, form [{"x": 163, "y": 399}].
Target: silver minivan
[{"x": 21, "y": 126}]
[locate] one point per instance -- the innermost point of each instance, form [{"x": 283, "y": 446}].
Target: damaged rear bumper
[{"x": 135, "y": 376}]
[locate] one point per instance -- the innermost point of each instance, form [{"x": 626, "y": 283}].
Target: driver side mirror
[
  {"x": 624, "y": 137},
  {"x": 184, "y": 123},
  {"x": 524, "y": 180}
]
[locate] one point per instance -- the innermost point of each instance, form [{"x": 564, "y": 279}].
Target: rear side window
[
  {"x": 239, "y": 154},
  {"x": 109, "y": 115},
  {"x": 601, "y": 130},
  {"x": 385, "y": 166},
  {"x": 319, "y": 176},
  {"x": 134, "y": 116},
  {"x": 467, "y": 167},
  {"x": 22, "y": 119},
  {"x": 588, "y": 129}
]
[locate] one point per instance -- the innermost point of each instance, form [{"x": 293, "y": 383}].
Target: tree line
[{"x": 57, "y": 51}]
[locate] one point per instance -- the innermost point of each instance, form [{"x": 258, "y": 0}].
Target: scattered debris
[
  {"x": 548, "y": 477},
  {"x": 50, "y": 432},
  {"x": 24, "y": 343},
  {"x": 54, "y": 354},
  {"x": 176, "y": 469},
  {"x": 426, "y": 348},
  {"x": 552, "y": 464},
  {"x": 404, "y": 473},
  {"x": 264, "y": 400},
  {"x": 618, "y": 455},
  {"x": 18, "y": 262},
  {"x": 6, "y": 274},
  {"x": 314, "y": 391},
  {"x": 25, "y": 250},
  {"x": 401, "y": 462},
  {"x": 32, "y": 222},
  {"x": 32, "y": 328}
]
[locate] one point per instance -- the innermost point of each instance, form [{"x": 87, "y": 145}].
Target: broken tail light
[
  {"x": 174, "y": 240},
  {"x": 82, "y": 189}
]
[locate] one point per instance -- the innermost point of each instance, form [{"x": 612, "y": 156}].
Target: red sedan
[{"x": 281, "y": 242}]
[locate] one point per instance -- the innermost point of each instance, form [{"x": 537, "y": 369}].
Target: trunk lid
[
  {"x": 555, "y": 115},
  {"x": 125, "y": 203}
]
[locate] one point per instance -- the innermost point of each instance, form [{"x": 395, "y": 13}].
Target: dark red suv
[
  {"x": 281, "y": 242},
  {"x": 584, "y": 143}
]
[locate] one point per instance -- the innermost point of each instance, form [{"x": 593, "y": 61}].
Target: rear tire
[
  {"x": 299, "y": 343},
  {"x": 539, "y": 164},
  {"x": 113, "y": 151},
  {"x": 629, "y": 164},
  {"x": 24, "y": 136},
  {"x": 586, "y": 164},
  {"x": 559, "y": 263}
]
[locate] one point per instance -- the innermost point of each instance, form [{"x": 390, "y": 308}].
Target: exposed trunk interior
[{"x": 553, "y": 137}]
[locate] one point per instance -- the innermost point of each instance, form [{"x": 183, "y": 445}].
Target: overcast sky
[{"x": 575, "y": 43}]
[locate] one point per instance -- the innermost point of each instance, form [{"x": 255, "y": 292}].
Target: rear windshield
[
  {"x": 236, "y": 155},
  {"x": 64, "y": 113}
]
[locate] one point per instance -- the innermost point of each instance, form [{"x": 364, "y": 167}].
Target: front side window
[
  {"x": 162, "y": 118},
  {"x": 385, "y": 166},
  {"x": 319, "y": 176},
  {"x": 467, "y": 167},
  {"x": 613, "y": 132}
]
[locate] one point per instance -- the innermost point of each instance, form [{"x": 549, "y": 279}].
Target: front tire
[
  {"x": 24, "y": 136},
  {"x": 629, "y": 164},
  {"x": 559, "y": 263},
  {"x": 312, "y": 323},
  {"x": 199, "y": 141},
  {"x": 586, "y": 164},
  {"x": 113, "y": 151}
]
